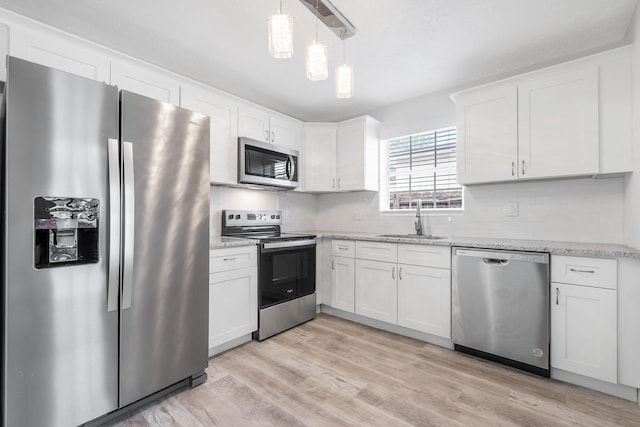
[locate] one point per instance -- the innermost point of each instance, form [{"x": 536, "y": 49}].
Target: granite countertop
[
  {"x": 553, "y": 247},
  {"x": 219, "y": 242}
]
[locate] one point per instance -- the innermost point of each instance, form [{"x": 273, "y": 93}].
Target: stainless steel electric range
[{"x": 286, "y": 269}]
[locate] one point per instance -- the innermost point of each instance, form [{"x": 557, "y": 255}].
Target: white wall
[
  {"x": 632, "y": 184},
  {"x": 583, "y": 210}
]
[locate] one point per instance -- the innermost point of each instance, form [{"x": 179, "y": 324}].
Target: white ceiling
[{"x": 402, "y": 49}]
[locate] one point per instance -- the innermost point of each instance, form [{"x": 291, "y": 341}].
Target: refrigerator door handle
[
  {"x": 129, "y": 225},
  {"x": 113, "y": 283}
]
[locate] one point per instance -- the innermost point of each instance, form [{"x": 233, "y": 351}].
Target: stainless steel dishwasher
[{"x": 500, "y": 307}]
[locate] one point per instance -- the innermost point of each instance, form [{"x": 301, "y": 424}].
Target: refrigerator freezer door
[
  {"x": 60, "y": 342},
  {"x": 164, "y": 331}
]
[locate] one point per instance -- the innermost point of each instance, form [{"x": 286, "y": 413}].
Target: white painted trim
[
  {"x": 229, "y": 345},
  {"x": 617, "y": 390}
]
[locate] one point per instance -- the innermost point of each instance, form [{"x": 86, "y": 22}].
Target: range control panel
[{"x": 238, "y": 218}]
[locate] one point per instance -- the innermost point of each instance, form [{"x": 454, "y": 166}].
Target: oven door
[{"x": 286, "y": 272}]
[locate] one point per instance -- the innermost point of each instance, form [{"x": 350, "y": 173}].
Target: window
[{"x": 420, "y": 167}]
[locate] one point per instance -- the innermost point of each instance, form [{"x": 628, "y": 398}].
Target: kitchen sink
[{"x": 413, "y": 236}]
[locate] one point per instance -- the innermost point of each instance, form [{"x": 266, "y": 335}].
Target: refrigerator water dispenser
[{"x": 66, "y": 231}]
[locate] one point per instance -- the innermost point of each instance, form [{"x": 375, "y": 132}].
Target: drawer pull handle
[
  {"x": 575, "y": 270},
  {"x": 229, "y": 259},
  {"x": 393, "y": 273},
  {"x": 289, "y": 291},
  {"x": 333, "y": 264},
  {"x": 513, "y": 168},
  {"x": 400, "y": 273},
  {"x": 557, "y": 295},
  {"x": 343, "y": 248}
]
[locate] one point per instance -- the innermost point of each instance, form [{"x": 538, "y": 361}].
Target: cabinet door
[
  {"x": 558, "y": 124},
  {"x": 343, "y": 272},
  {"x": 233, "y": 305},
  {"x": 584, "y": 331},
  {"x": 286, "y": 132},
  {"x": 350, "y": 152},
  {"x": 487, "y": 128},
  {"x": 62, "y": 53},
  {"x": 223, "y": 111},
  {"x": 254, "y": 123},
  {"x": 424, "y": 299},
  {"x": 377, "y": 290},
  {"x": 320, "y": 157},
  {"x": 145, "y": 80}
]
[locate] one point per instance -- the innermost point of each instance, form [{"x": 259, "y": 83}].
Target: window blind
[{"x": 423, "y": 167}]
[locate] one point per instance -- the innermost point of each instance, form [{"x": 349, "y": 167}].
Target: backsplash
[{"x": 581, "y": 210}]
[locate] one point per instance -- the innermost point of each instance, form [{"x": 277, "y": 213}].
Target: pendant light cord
[{"x": 317, "y": 19}]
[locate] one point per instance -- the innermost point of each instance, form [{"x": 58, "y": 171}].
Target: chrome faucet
[{"x": 419, "y": 231}]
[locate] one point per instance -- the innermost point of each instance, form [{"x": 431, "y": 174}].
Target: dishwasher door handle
[{"x": 495, "y": 261}]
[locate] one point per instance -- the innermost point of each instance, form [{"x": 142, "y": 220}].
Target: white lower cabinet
[
  {"x": 377, "y": 290},
  {"x": 584, "y": 317},
  {"x": 343, "y": 273},
  {"x": 233, "y": 296},
  {"x": 402, "y": 284},
  {"x": 424, "y": 299}
]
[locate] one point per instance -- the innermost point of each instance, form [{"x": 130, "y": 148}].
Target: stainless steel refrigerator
[{"x": 104, "y": 237}]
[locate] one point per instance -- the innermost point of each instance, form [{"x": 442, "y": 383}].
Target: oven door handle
[{"x": 289, "y": 244}]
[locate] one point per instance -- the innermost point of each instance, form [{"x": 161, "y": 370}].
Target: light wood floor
[{"x": 334, "y": 372}]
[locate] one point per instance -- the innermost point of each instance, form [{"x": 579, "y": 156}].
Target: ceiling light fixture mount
[{"x": 331, "y": 17}]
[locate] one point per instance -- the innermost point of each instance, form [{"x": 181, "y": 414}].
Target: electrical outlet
[{"x": 511, "y": 209}]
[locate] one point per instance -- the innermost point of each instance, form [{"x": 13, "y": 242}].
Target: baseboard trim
[
  {"x": 400, "y": 330},
  {"x": 229, "y": 345},
  {"x": 617, "y": 390}
]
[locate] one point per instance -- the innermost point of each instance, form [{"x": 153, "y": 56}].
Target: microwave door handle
[{"x": 291, "y": 168}]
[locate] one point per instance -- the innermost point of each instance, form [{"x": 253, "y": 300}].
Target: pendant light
[
  {"x": 317, "y": 57},
  {"x": 344, "y": 77},
  {"x": 280, "y": 28}
]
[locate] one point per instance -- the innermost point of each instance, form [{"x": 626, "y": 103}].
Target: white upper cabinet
[
  {"x": 145, "y": 80},
  {"x": 487, "y": 122},
  {"x": 342, "y": 157},
  {"x": 223, "y": 111},
  {"x": 558, "y": 124},
  {"x": 262, "y": 125},
  {"x": 60, "y": 52},
  {"x": 320, "y": 157},
  {"x": 357, "y": 151},
  {"x": 573, "y": 119}
]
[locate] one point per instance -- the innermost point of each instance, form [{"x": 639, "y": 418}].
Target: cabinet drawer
[
  {"x": 595, "y": 272},
  {"x": 232, "y": 258},
  {"x": 424, "y": 255},
  {"x": 345, "y": 248},
  {"x": 377, "y": 251}
]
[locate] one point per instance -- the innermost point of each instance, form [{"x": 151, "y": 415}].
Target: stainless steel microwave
[{"x": 266, "y": 164}]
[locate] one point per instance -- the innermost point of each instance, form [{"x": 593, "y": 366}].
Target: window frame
[{"x": 383, "y": 194}]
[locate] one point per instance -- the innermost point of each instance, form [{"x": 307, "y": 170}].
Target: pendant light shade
[
  {"x": 280, "y": 28},
  {"x": 344, "y": 76},
  {"x": 344, "y": 81},
  {"x": 317, "y": 58},
  {"x": 317, "y": 66}
]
